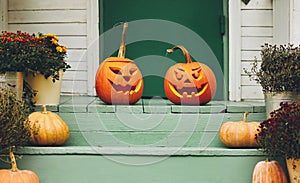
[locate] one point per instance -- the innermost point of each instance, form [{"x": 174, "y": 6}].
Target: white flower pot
[
  {"x": 48, "y": 92},
  {"x": 273, "y": 99}
]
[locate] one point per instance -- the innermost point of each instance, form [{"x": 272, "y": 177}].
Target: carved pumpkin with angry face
[
  {"x": 190, "y": 83},
  {"x": 118, "y": 79}
]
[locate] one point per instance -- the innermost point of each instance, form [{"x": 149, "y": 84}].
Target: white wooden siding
[
  {"x": 68, "y": 20},
  {"x": 256, "y": 29}
]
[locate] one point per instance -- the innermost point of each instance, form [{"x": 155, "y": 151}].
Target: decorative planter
[
  {"x": 293, "y": 166},
  {"x": 48, "y": 92},
  {"x": 273, "y": 99},
  {"x": 14, "y": 80}
]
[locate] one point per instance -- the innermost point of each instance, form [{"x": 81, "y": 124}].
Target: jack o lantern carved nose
[
  {"x": 187, "y": 81},
  {"x": 126, "y": 78}
]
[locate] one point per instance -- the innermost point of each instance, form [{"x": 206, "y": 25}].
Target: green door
[{"x": 157, "y": 25}]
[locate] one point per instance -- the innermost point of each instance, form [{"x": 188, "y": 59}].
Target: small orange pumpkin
[
  {"x": 190, "y": 83},
  {"x": 239, "y": 134},
  {"x": 268, "y": 172},
  {"x": 118, "y": 79},
  {"x": 14, "y": 175},
  {"x": 51, "y": 129}
]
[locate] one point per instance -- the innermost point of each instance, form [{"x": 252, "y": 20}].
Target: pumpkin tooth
[
  {"x": 192, "y": 90},
  {"x": 203, "y": 89},
  {"x": 125, "y": 89}
]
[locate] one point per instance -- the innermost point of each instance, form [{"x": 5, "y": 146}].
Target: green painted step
[
  {"x": 75, "y": 164},
  {"x": 116, "y": 169},
  {"x": 117, "y": 129}
]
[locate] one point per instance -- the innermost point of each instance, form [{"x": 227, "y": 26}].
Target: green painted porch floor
[{"x": 152, "y": 126}]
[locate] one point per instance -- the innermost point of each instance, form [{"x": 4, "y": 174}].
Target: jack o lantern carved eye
[
  {"x": 133, "y": 71},
  {"x": 179, "y": 73},
  {"x": 196, "y": 73},
  {"x": 116, "y": 70}
]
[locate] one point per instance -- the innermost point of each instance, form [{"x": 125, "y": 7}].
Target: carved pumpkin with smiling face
[
  {"x": 190, "y": 83},
  {"x": 118, "y": 79}
]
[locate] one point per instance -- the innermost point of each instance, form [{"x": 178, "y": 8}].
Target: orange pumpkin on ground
[
  {"x": 51, "y": 129},
  {"x": 239, "y": 134},
  {"x": 118, "y": 79},
  {"x": 268, "y": 172},
  {"x": 14, "y": 175},
  {"x": 190, "y": 83}
]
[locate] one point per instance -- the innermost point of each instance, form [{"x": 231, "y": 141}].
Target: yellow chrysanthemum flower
[
  {"x": 54, "y": 41},
  {"x": 40, "y": 37},
  {"x": 59, "y": 49},
  {"x": 64, "y": 49},
  {"x": 56, "y": 38},
  {"x": 49, "y": 35}
]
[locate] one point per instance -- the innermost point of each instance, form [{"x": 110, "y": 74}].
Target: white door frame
[
  {"x": 92, "y": 44},
  {"x": 234, "y": 13}
]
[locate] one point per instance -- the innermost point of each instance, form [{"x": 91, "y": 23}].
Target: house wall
[
  {"x": 68, "y": 20},
  {"x": 256, "y": 29},
  {"x": 265, "y": 21},
  {"x": 76, "y": 23}
]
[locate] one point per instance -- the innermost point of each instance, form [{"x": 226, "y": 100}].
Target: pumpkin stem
[
  {"x": 267, "y": 160},
  {"x": 122, "y": 48},
  {"x": 245, "y": 116},
  {"x": 44, "y": 109},
  {"x": 185, "y": 53},
  {"x": 14, "y": 167}
]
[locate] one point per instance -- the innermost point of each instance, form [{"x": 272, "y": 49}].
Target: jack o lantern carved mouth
[
  {"x": 188, "y": 91},
  {"x": 127, "y": 89}
]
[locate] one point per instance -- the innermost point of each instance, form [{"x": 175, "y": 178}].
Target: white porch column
[{"x": 282, "y": 21}]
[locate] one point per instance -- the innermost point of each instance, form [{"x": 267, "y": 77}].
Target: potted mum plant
[
  {"x": 14, "y": 131},
  {"x": 44, "y": 68},
  {"x": 279, "y": 136},
  {"x": 14, "y": 51},
  {"x": 38, "y": 57},
  {"x": 278, "y": 74}
]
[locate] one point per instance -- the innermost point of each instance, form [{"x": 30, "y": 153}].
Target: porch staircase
[{"x": 151, "y": 141}]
